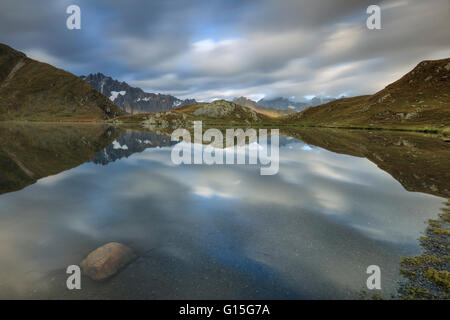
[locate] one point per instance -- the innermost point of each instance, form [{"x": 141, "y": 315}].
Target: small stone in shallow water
[{"x": 107, "y": 260}]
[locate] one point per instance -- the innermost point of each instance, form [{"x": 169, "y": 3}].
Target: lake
[{"x": 342, "y": 200}]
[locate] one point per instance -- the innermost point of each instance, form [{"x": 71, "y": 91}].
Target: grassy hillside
[
  {"x": 418, "y": 101},
  {"x": 31, "y": 90},
  {"x": 220, "y": 112}
]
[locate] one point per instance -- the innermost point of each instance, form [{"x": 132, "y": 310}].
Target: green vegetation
[
  {"x": 440, "y": 277},
  {"x": 417, "y": 293},
  {"x": 419, "y": 261},
  {"x": 427, "y": 274}
]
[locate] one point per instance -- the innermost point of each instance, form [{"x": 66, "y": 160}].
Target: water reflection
[
  {"x": 130, "y": 142},
  {"x": 29, "y": 152},
  {"x": 419, "y": 162},
  {"x": 213, "y": 231}
]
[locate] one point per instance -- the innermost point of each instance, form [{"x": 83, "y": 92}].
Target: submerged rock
[{"x": 107, "y": 260}]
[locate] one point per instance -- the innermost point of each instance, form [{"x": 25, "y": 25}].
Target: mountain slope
[
  {"x": 133, "y": 100},
  {"x": 270, "y": 112},
  {"x": 420, "y": 100},
  {"x": 33, "y": 90}
]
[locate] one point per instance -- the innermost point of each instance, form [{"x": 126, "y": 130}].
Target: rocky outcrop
[
  {"x": 216, "y": 109},
  {"x": 107, "y": 260}
]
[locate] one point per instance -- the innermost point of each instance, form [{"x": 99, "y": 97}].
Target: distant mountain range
[
  {"x": 281, "y": 103},
  {"x": 284, "y": 103},
  {"x": 133, "y": 100},
  {"x": 32, "y": 90}
]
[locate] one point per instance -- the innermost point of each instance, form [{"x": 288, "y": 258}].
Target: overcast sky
[{"x": 207, "y": 49}]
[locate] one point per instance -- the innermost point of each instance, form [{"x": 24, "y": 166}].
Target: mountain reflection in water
[{"x": 213, "y": 231}]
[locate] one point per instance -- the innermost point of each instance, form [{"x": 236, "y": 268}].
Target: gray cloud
[{"x": 215, "y": 49}]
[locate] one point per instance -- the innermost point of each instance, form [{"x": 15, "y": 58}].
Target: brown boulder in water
[{"x": 107, "y": 260}]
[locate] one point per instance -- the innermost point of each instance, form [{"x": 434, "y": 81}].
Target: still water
[{"x": 203, "y": 232}]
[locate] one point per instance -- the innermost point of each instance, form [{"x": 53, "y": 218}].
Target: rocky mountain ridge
[{"x": 133, "y": 100}]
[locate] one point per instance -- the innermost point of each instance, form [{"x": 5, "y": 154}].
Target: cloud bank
[{"x": 222, "y": 49}]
